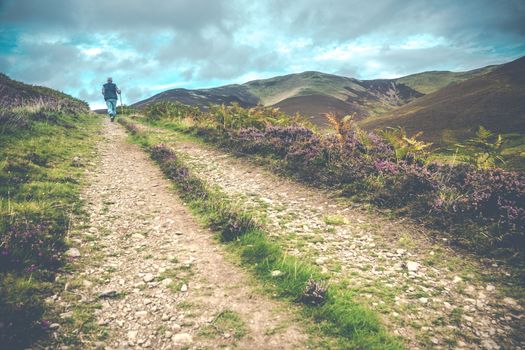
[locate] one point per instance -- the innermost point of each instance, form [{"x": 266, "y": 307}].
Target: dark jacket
[{"x": 110, "y": 91}]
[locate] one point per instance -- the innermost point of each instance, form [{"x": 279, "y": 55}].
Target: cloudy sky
[{"x": 152, "y": 45}]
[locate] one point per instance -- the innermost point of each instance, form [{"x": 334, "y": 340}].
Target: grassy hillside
[
  {"x": 495, "y": 100},
  {"x": 308, "y": 93},
  {"x": 428, "y": 82},
  {"x": 45, "y": 137},
  {"x": 14, "y": 93},
  {"x": 204, "y": 97}
]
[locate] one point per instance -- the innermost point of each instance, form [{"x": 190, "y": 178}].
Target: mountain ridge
[{"x": 313, "y": 93}]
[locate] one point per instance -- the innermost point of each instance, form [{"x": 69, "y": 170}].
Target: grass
[
  {"x": 336, "y": 220},
  {"x": 226, "y": 323},
  {"x": 339, "y": 316},
  {"x": 41, "y": 169}
]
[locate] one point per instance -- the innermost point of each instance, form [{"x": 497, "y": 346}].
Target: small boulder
[
  {"x": 277, "y": 273},
  {"x": 73, "y": 253},
  {"x": 108, "y": 293},
  {"x": 182, "y": 339},
  {"x": 148, "y": 277},
  {"x": 412, "y": 266}
]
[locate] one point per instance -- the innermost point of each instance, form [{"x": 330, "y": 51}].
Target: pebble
[
  {"x": 457, "y": 279},
  {"x": 166, "y": 282},
  {"x": 182, "y": 339},
  {"x": 73, "y": 253},
  {"x": 109, "y": 293},
  {"x": 132, "y": 335},
  {"x": 184, "y": 288},
  {"x": 510, "y": 302},
  {"x": 412, "y": 266},
  {"x": 148, "y": 277},
  {"x": 54, "y": 326},
  {"x": 277, "y": 273}
]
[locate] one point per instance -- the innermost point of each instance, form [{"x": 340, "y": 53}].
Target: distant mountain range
[
  {"x": 494, "y": 97},
  {"x": 446, "y": 106},
  {"x": 308, "y": 93},
  {"x": 314, "y": 93}
]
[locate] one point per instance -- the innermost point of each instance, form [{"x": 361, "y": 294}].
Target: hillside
[
  {"x": 309, "y": 93},
  {"x": 203, "y": 97},
  {"x": 495, "y": 100},
  {"x": 428, "y": 82},
  {"x": 14, "y": 93}
]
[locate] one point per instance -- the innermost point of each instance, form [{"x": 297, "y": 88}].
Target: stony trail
[
  {"x": 162, "y": 280},
  {"x": 428, "y": 293}
]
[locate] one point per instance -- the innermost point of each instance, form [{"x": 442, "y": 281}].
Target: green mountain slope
[
  {"x": 428, "y": 82},
  {"x": 495, "y": 100},
  {"x": 15, "y": 93},
  {"x": 308, "y": 93}
]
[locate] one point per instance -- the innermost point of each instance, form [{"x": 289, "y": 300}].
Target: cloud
[{"x": 151, "y": 45}]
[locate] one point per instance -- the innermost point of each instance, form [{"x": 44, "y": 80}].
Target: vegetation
[
  {"x": 42, "y": 148},
  {"x": 483, "y": 207},
  {"x": 288, "y": 277}
]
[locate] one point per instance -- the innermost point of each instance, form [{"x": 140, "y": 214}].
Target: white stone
[
  {"x": 73, "y": 252},
  {"x": 457, "y": 279},
  {"x": 132, "y": 335},
  {"x": 148, "y": 277},
  {"x": 182, "y": 339},
  {"x": 490, "y": 288},
  {"x": 412, "y": 266},
  {"x": 510, "y": 302},
  {"x": 423, "y": 300},
  {"x": 276, "y": 273},
  {"x": 166, "y": 281},
  {"x": 184, "y": 288}
]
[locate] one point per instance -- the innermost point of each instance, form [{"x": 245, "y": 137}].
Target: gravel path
[
  {"x": 428, "y": 293},
  {"x": 162, "y": 281}
]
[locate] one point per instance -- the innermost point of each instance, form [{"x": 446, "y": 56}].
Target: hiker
[{"x": 110, "y": 91}]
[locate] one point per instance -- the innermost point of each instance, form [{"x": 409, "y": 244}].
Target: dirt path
[
  {"x": 429, "y": 294},
  {"x": 161, "y": 279}
]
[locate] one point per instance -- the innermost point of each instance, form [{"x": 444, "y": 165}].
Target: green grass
[
  {"x": 336, "y": 220},
  {"x": 226, "y": 323},
  {"x": 41, "y": 169},
  {"x": 352, "y": 324}
]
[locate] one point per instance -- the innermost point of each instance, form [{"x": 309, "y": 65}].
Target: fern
[{"x": 484, "y": 149}]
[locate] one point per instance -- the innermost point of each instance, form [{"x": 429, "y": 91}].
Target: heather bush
[
  {"x": 390, "y": 169},
  {"x": 29, "y": 246},
  {"x": 38, "y": 193}
]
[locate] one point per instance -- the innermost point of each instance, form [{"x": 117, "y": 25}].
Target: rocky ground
[
  {"x": 159, "y": 280},
  {"x": 428, "y": 293}
]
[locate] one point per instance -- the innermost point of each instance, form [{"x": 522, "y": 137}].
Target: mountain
[
  {"x": 314, "y": 93},
  {"x": 14, "y": 93},
  {"x": 204, "y": 97},
  {"x": 495, "y": 100},
  {"x": 309, "y": 93},
  {"x": 428, "y": 82}
]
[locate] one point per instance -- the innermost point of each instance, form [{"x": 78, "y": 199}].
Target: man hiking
[{"x": 110, "y": 91}]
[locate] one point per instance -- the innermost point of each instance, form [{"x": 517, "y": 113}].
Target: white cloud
[{"x": 91, "y": 51}]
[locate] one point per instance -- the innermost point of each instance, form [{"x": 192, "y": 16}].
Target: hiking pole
[{"x": 121, "y": 105}]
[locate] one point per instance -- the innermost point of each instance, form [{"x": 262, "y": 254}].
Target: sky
[{"x": 149, "y": 46}]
